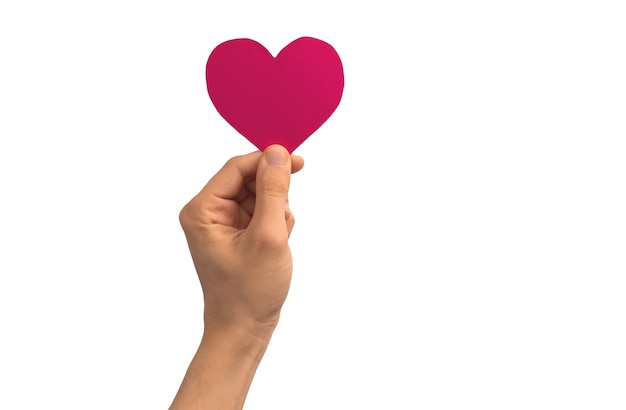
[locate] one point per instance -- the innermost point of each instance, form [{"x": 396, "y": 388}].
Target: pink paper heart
[{"x": 280, "y": 100}]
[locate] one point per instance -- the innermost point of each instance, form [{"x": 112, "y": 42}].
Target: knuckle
[
  {"x": 232, "y": 161},
  {"x": 189, "y": 216}
]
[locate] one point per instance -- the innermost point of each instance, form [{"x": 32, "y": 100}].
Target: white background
[{"x": 460, "y": 239}]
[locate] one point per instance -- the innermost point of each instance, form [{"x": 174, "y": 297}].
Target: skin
[{"x": 237, "y": 229}]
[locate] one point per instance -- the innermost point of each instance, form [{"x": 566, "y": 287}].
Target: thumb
[{"x": 272, "y": 188}]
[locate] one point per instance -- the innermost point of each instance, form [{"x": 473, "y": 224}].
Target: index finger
[{"x": 230, "y": 179}]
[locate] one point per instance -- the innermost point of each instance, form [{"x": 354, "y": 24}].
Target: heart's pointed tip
[{"x": 262, "y": 143}]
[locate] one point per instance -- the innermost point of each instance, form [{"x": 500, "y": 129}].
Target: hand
[{"x": 237, "y": 229}]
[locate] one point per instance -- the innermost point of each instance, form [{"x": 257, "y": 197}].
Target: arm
[{"x": 237, "y": 230}]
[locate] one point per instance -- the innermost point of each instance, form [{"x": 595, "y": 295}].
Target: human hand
[{"x": 237, "y": 229}]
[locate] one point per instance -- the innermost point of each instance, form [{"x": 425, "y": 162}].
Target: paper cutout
[{"x": 281, "y": 100}]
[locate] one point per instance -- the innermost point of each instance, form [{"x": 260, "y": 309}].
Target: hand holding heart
[
  {"x": 280, "y": 100},
  {"x": 238, "y": 226}
]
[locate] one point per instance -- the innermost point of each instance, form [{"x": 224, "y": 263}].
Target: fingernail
[{"x": 276, "y": 156}]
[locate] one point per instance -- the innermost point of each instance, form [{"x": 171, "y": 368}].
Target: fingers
[
  {"x": 270, "y": 222},
  {"x": 240, "y": 171},
  {"x": 213, "y": 203},
  {"x": 237, "y": 184},
  {"x": 229, "y": 181},
  {"x": 297, "y": 163}
]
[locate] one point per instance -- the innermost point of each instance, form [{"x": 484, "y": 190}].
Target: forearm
[
  {"x": 222, "y": 369},
  {"x": 237, "y": 228}
]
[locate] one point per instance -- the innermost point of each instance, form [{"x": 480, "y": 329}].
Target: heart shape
[{"x": 280, "y": 100}]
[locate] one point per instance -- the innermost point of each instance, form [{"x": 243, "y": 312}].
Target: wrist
[
  {"x": 239, "y": 322},
  {"x": 246, "y": 343}
]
